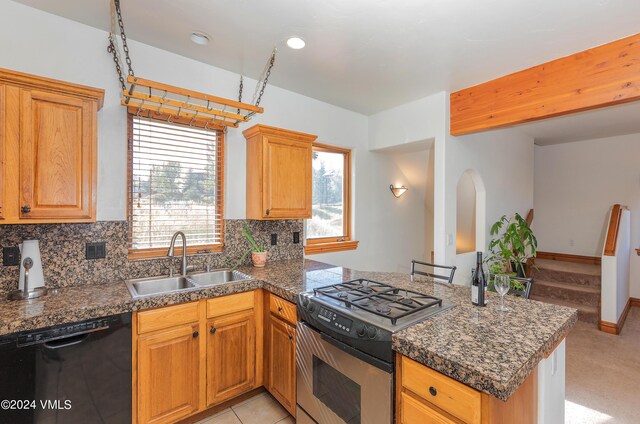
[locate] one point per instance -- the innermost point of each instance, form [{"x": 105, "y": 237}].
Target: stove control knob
[
  {"x": 372, "y": 332},
  {"x": 311, "y": 307},
  {"x": 360, "y": 329}
]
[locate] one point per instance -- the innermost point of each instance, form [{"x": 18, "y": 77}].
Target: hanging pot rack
[
  {"x": 175, "y": 103},
  {"x": 148, "y": 98}
]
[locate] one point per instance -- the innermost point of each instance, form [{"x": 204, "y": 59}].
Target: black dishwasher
[{"x": 68, "y": 374}]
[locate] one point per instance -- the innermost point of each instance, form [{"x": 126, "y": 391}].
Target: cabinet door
[
  {"x": 287, "y": 178},
  {"x": 57, "y": 157},
  {"x": 231, "y": 356},
  {"x": 168, "y": 367},
  {"x": 282, "y": 363}
]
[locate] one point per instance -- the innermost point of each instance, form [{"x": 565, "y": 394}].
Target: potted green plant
[
  {"x": 513, "y": 245},
  {"x": 258, "y": 252}
]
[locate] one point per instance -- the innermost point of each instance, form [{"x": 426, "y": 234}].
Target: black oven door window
[{"x": 337, "y": 391}]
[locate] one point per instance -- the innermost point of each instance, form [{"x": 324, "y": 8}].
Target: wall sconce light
[{"x": 398, "y": 191}]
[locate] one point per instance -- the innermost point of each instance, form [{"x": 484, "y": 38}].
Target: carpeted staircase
[{"x": 569, "y": 284}]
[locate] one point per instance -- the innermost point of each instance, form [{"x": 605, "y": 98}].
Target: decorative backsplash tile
[{"x": 62, "y": 247}]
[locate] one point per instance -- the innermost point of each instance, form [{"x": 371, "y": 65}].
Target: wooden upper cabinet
[
  {"x": 168, "y": 374},
  {"x": 279, "y": 173},
  {"x": 50, "y": 149},
  {"x": 231, "y": 356},
  {"x": 57, "y": 157}
]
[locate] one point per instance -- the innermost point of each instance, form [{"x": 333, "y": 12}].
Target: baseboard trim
[
  {"x": 564, "y": 257},
  {"x": 615, "y": 328}
]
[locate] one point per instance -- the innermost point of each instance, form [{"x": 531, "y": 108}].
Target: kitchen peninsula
[{"x": 485, "y": 354}]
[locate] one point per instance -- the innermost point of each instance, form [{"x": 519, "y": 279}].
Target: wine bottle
[{"x": 478, "y": 284}]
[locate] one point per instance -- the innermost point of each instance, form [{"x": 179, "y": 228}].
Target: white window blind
[{"x": 175, "y": 183}]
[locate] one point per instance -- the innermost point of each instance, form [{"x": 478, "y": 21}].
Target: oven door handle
[{"x": 378, "y": 363}]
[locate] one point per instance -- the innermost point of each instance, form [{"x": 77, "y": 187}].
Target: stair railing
[
  {"x": 616, "y": 255},
  {"x": 529, "y": 217}
]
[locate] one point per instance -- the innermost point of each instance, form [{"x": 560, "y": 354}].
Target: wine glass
[{"x": 502, "y": 284}]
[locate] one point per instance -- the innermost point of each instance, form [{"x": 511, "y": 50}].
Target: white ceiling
[
  {"x": 368, "y": 55},
  {"x": 600, "y": 123}
]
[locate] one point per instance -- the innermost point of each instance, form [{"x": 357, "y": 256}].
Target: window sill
[
  {"x": 161, "y": 252},
  {"x": 336, "y": 246}
]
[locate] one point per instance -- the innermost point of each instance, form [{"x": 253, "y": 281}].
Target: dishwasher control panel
[{"x": 61, "y": 332}]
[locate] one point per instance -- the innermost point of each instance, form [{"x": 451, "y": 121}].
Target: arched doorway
[{"x": 470, "y": 213}]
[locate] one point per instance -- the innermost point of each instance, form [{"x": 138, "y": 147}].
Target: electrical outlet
[
  {"x": 296, "y": 237},
  {"x": 274, "y": 239},
  {"x": 96, "y": 250},
  {"x": 10, "y": 256}
]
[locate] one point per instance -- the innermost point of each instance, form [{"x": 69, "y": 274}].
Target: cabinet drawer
[
  {"x": 446, "y": 393},
  {"x": 224, "y": 305},
  {"x": 282, "y": 308},
  {"x": 416, "y": 412},
  {"x": 166, "y": 317}
]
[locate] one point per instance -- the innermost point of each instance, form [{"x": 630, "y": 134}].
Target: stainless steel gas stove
[{"x": 344, "y": 355}]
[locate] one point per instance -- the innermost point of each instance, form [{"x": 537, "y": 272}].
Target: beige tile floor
[{"x": 260, "y": 409}]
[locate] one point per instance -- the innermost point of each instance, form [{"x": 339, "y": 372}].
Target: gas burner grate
[
  {"x": 350, "y": 290},
  {"x": 379, "y": 299}
]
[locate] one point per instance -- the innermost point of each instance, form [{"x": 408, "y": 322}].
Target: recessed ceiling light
[
  {"x": 295, "y": 43},
  {"x": 201, "y": 38}
]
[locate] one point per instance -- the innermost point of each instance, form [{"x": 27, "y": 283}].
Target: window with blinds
[{"x": 175, "y": 184}]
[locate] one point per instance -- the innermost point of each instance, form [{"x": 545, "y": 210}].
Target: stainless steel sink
[
  {"x": 218, "y": 276},
  {"x": 157, "y": 285}
]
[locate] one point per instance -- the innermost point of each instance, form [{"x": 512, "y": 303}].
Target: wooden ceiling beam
[{"x": 602, "y": 76}]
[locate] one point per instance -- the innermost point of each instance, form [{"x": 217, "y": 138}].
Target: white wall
[
  {"x": 503, "y": 159},
  {"x": 465, "y": 214},
  {"x": 422, "y": 119},
  {"x": 575, "y": 186},
  {"x": 428, "y": 203},
  {"x": 401, "y": 221}
]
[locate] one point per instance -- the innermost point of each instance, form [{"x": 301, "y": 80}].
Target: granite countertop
[
  {"x": 491, "y": 351},
  {"x": 65, "y": 305}
]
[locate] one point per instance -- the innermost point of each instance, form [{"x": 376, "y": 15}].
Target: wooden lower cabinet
[
  {"x": 192, "y": 356},
  {"x": 415, "y": 411},
  {"x": 424, "y": 396},
  {"x": 168, "y": 372},
  {"x": 231, "y": 356},
  {"x": 281, "y": 381}
]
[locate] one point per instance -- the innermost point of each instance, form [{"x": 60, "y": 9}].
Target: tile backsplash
[{"x": 62, "y": 247}]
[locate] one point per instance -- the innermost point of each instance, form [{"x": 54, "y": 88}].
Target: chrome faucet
[{"x": 184, "y": 252}]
